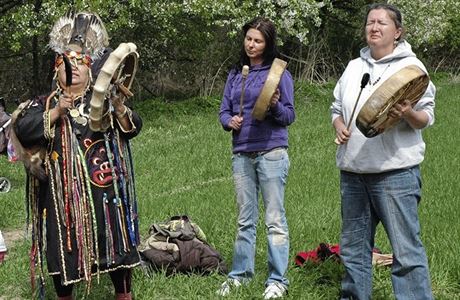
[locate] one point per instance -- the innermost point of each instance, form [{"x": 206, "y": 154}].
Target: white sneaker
[
  {"x": 228, "y": 284},
  {"x": 2, "y": 248},
  {"x": 2, "y": 243},
  {"x": 274, "y": 290}
]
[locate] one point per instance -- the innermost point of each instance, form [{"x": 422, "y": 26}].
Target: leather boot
[{"x": 123, "y": 296}]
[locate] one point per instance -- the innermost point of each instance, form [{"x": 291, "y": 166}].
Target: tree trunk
[
  {"x": 6, "y": 5},
  {"x": 35, "y": 56}
]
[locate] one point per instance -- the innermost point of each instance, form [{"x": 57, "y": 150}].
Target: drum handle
[
  {"x": 364, "y": 82},
  {"x": 244, "y": 73}
]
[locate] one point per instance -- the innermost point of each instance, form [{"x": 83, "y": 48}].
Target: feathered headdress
[{"x": 81, "y": 32}]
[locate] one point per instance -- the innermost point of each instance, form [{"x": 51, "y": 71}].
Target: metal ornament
[
  {"x": 81, "y": 120},
  {"x": 81, "y": 109},
  {"x": 74, "y": 112}
]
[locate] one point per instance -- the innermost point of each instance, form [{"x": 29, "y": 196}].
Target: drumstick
[
  {"x": 364, "y": 82},
  {"x": 244, "y": 73}
]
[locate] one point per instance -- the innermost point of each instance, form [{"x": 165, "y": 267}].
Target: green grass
[{"x": 182, "y": 160}]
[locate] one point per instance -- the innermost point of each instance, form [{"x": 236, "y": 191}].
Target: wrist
[
  {"x": 339, "y": 127},
  {"x": 407, "y": 114},
  {"x": 120, "y": 113},
  {"x": 59, "y": 111}
]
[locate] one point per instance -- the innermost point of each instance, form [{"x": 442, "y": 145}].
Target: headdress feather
[
  {"x": 83, "y": 29},
  {"x": 61, "y": 32}
]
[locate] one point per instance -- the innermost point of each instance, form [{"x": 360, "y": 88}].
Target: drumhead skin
[
  {"x": 409, "y": 83},
  {"x": 271, "y": 84}
]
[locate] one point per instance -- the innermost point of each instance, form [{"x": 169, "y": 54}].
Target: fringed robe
[{"x": 84, "y": 220}]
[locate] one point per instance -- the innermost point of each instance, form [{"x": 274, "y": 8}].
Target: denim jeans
[
  {"x": 391, "y": 198},
  {"x": 267, "y": 173}
]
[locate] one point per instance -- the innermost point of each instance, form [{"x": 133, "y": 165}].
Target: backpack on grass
[{"x": 178, "y": 245}]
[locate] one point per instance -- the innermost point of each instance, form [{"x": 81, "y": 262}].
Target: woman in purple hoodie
[{"x": 260, "y": 160}]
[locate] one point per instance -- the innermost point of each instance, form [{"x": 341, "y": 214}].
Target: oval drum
[
  {"x": 408, "y": 83},
  {"x": 271, "y": 84},
  {"x": 119, "y": 70}
]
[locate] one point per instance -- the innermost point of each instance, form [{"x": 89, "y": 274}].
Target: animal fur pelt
[{"x": 32, "y": 158}]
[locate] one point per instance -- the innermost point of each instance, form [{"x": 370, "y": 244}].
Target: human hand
[
  {"x": 400, "y": 110},
  {"x": 65, "y": 102},
  {"x": 236, "y": 122},
  {"x": 119, "y": 107},
  {"x": 342, "y": 136},
  {"x": 275, "y": 98}
]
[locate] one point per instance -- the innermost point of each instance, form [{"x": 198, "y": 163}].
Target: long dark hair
[
  {"x": 268, "y": 30},
  {"x": 394, "y": 14}
]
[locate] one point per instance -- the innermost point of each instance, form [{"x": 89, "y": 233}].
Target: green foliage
[
  {"x": 160, "y": 108},
  {"x": 187, "y": 46},
  {"x": 307, "y": 92},
  {"x": 453, "y": 33},
  {"x": 428, "y": 20},
  {"x": 293, "y": 18},
  {"x": 182, "y": 162}
]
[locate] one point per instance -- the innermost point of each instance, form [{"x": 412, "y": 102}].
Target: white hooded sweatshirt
[{"x": 398, "y": 147}]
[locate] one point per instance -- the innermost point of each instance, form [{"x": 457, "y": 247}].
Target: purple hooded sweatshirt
[{"x": 257, "y": 135}]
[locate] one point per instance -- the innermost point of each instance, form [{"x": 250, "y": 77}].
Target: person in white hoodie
[{"x": 380, "y": 176}]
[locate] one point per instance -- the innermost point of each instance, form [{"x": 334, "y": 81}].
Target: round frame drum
[{"x": 409, "y": 83}]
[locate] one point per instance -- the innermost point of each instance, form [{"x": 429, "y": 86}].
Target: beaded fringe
[{"x": 74, "y": 207}]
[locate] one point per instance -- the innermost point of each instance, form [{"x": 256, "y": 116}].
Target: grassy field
[{"x": 182, "y": 160}]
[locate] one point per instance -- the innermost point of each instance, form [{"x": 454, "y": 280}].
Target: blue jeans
[
  {"x": 267, "y": 173},
  {"x": 391, "y": 198}
]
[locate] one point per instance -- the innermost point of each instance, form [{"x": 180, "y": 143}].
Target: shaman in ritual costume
[{"x": 83, "y": 202}]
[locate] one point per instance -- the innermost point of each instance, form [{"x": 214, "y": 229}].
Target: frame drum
[
  {"x": 117, "y": 73},
  {"x": 271, "y": 84},
  {"x": 409, "y": 83}
]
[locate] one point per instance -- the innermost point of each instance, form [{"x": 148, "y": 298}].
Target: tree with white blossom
[
  {"x": 428, "y": 20},
  {"x": 191, "y": 40}
]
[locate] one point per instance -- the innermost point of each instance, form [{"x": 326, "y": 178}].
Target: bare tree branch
[{"x": 15, "y": 55}]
